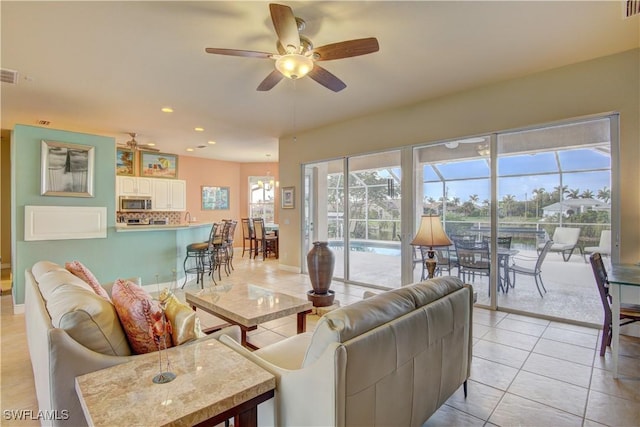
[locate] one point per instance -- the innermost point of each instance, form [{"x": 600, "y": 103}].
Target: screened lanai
[{"x": 544, "y": 178}]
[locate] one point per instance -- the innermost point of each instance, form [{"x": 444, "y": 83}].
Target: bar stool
[{"x": 200, "y": 259}]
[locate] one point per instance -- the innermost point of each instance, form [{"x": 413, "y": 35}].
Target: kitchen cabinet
[
  {"x": 134, "y": 186},
  {"x": 169, "y": 195}
]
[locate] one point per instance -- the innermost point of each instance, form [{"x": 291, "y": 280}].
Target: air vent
[
  {"x": 8, "y": 76},
  {"x": 632, "y": 8},
  {"x": 43, "y": 122}
]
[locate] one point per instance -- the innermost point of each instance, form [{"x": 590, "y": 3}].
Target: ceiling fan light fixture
[{"x": 294, "y": 66}]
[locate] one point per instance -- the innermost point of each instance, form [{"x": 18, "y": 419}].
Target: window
[{"x": 262, "y": 198}]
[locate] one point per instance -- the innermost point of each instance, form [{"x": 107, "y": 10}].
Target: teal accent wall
[{"x": 149, "y": 255}]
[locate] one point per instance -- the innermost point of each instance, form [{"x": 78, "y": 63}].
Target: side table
[{"x": 213, "y": 384}]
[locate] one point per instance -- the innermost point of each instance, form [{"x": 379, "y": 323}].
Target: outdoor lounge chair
[
  {"x": 603, "y": 248},
  {"x": 565, "y": 240}
]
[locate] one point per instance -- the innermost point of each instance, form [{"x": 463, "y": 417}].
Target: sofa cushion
[
  {"x": 141, "y": 317},
  {"x": 79, "y": 270},
  {"x": 360, "y": 317},
  {"x": 86, "y": 317},
  {"x": 185, "y": 325}
]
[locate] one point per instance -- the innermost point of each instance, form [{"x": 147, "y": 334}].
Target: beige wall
[
  {"x": 217, "y": 173},
  {"x": 5, "y": 197},
  {"x": 607, "y": 84}
]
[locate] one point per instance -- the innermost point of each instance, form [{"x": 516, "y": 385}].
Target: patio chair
[
  {"x": 629, "y": 313},
  {"x": 473, "y": 258},
  {"x": 565, "y": 241},
  {"x": 536, "y": 271},
  {"x": 603, "y": 248}
]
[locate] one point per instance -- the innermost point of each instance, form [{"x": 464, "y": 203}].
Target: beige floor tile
[
  {"x": 491, "y": 373},
  {"x": 479, "y": 330},
  {"x": 627, "y": 388},
  {"x": 499, "y": 353},
  {"x": 557, "y": 394},
  {"x": 522, "y": 318},
  {"x": 575, "y": 328},
  {"x": 562, "y": 370},
  {"x": 480, "y": 402},
  {"x": 447, "y": 416},
  {"x": 569, "y": 352},
  {"x": 510, "y": 338},
  {"x": 628, "y": 367},
  {"x": 612, "y": 411},
  {"x": 263, "y": 338},
  {"x": 517, "y": 411},
  {"x": 487, "y": 317},
  {"x": 571, "y": 337},
  {"x": 526, "y": 328}
]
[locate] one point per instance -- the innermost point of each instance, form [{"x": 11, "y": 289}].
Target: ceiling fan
[
  {"x": 296, "y": 55},
  {"x": 132, "y": 144}
]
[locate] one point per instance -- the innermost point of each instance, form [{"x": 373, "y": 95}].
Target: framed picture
[
  {"x": 158, "y": 165},
  {"x": 67, "y": 169},
  {"x": 288, "y": 198},
  {"x": 125, "y": 164},
  {"x": 215, "y": 198}
]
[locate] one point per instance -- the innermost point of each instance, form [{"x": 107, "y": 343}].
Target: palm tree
[
  {"x": 560, "y": 191},
  {"x": 573, "y": 194},
  {"x": 587, "y": 194},
  {"x": 507, "y": 202},
  {"x": 604, "y": 194},
  {"x": 474, "y": 199}
]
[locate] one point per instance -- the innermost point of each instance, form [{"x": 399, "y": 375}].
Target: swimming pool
[{"x": 370, "y": 246}]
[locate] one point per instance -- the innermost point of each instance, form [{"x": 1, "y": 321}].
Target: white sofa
[
  {"x": 389, "y": 360},
  {"x": 58, "y": 346}
]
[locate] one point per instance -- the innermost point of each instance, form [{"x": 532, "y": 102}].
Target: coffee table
[
  {"x": 213, "y": 383},
  {"x": 248, "y": 305}
]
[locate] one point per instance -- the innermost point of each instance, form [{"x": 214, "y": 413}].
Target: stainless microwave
[{"x": 135, "y": 204}]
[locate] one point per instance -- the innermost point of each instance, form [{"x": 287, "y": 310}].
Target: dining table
[{"x": 620, "y": 275}]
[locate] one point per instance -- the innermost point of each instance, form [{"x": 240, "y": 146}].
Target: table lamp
[{"x": 431, "y": 234}]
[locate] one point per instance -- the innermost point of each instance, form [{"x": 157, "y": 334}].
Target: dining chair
[
  {"x": 265, "y": 242},
  {"x": 629, "y": 313},
  {"x": 248, "y": 236},
  {"x": 536, "y": 271}
]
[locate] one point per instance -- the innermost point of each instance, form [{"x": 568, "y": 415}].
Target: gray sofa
[
  {"x": 71, "y": 331},
  {"x": 389, "y": 360}
]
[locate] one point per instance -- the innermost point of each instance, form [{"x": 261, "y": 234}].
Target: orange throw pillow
[
  {"x": 79, "y": 270},
  {"x": 142, "y": 318}
]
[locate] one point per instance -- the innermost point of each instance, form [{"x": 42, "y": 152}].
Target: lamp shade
[{"x": 431, "y": 233}]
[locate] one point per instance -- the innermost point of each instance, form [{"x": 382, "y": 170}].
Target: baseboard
[
  {"x": 289, "y": 268},
  {"x": 18, "y": 308}
]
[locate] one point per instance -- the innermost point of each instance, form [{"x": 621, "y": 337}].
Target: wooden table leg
[{"x": 302, "y": 321}]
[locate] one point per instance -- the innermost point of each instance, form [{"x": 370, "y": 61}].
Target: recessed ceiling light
[
  {"x": 189, "y": 149},
  {"x": 199, "y": 129},
  {"x": 151, "y": 144},
  {"x": 211, "y": 142},
  {"x": 167, "y": 110}
]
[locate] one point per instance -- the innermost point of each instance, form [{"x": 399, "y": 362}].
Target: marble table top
[
  {"x": 246, "y": 304},
  {"x": 211, "y": 378}
]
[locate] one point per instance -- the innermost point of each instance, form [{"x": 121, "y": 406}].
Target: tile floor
[{"x": 525, "y": 371}]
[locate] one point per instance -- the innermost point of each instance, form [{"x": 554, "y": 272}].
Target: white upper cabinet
[
  {"x": 169, "y": 195},
  {"x": 134, "y": 186},
  {"x": 166, "y": 194}
]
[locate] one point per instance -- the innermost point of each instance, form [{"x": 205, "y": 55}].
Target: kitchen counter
[{"x": 124, "y": 228}]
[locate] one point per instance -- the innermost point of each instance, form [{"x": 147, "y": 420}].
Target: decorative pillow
[
  {"x": 142, "y": 319},
  {"x": 185, "y": 325},
  {"x": 79, "y": 270}
]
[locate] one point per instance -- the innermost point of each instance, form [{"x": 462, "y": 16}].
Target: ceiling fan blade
[
  {"x": 270, "y": 81},
  {"x": 286, "y": 27},
  {"x": 238, "y": 52},
  {"x": 326, "y": 79},
  {"x": 346, "y": 49}
]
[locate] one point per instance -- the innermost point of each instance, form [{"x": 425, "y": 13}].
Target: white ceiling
[{"x": 108, "y": 67}]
